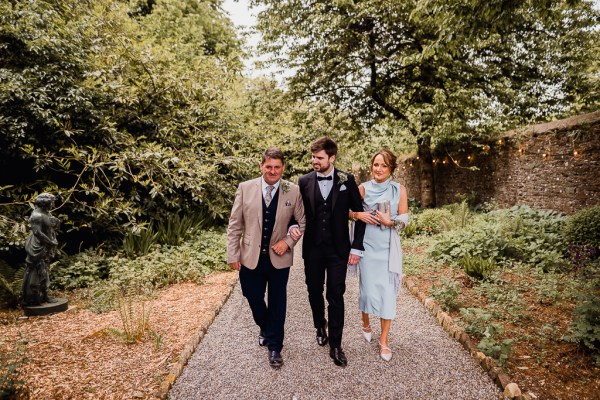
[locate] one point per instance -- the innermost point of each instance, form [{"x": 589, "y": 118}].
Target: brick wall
[{"x": 550, "y": 166}]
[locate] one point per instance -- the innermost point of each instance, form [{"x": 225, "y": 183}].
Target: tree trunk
[{"x": 426, "y": 172}]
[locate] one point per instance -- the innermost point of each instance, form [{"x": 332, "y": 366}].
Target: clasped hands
[{"x": 374, "y": 217}]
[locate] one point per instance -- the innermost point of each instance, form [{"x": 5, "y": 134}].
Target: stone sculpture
[{"x": 40, "y": 247}]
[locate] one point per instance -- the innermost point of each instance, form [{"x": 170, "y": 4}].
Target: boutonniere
[
  {"x": 342, "y": 178},
  {"x": 285, "y": 186}
]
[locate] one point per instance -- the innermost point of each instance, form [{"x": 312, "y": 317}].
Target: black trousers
[
  {"x": 270, "y": 316},
  {"x": 325, "y": 267}
]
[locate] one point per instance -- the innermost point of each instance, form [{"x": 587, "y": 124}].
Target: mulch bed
[{"x": 70, "y": 355}]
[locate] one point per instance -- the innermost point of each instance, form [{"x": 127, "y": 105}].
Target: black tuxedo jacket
[{"x": 345, "y": 197}]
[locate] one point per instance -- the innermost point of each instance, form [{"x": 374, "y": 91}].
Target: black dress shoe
[
  {"x": 322, "y": 335},
  {"x": 262, "y": 340},
  {"x": 275, "y": 359},
  {"x": 339, "y": 358}
]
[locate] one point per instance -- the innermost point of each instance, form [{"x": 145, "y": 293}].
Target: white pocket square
[{"x": 342, "y": 188}]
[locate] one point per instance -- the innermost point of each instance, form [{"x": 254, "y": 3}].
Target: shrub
[
  {"x": 447, "y": 293},
  {"x": 520, "y": 233},
  {"x": 162, "y": 266},
  {"x": 470, "y": 199},
  {"x": 431, "y": 221},
  {"x": 481, "y": 240},
  {"x": 478, "y": 324},
  {"x": 583, "y": 227},
  {"x": 172, "y": 264},
  {"x": 80, "y": 270},
  {"x": 476, "y": 320},
  {"x": 583, "y": 259},
  {"x": 586, "y": 321},
  {"x": 534, "y": 236},
  {"x": 491, "y": 347},
  {"x": 73, "y": 124}
]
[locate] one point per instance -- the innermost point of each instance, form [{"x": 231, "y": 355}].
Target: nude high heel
[
  {"x": 366, "y": 332},
  {"x": 385, "y": 356}
]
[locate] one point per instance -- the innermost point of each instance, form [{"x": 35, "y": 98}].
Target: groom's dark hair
[{"x": 324, "y": 143}]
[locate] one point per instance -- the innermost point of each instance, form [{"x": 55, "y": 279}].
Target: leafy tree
[
  {"x": 272, "y": 118},
  {"x": 192, "y": 27},
  {"x": 449, "y": 69},
  {"x": 123, "y": 122}
]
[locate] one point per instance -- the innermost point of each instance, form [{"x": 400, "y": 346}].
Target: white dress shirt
[{"x": 326, "y": 185}]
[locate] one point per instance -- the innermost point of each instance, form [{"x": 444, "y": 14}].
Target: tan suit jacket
[{"x": 246, "y": 223}]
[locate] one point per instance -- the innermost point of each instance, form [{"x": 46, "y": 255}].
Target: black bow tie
[{"x": 324, "y": 178}]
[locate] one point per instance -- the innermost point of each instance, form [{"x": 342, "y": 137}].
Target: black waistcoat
[
  {"x": 268, "y": 222},
  {"x": 323, "y": 214}
]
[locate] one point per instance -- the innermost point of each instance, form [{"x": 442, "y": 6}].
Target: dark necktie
[{"x": 324, "y": 178}]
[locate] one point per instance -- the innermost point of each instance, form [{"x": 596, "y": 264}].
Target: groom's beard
[{"x": 321, "y": 168}]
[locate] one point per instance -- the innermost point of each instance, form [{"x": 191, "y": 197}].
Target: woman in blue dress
[{"x": 386, "y": 210}]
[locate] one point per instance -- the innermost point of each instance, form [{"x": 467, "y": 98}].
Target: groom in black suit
[{"x": 328, "y": 195}]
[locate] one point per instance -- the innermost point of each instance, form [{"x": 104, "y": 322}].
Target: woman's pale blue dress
[{"x": 378, "y": 291}]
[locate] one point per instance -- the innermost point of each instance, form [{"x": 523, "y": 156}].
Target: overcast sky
[{"x": 245, "y": 19}]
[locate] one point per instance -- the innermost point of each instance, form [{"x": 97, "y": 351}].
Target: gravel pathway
[{"x": 427, "y": 363}]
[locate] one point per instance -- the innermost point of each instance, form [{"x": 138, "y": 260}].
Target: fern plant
[
  {"x": 477, "y": 267},
  {"x": 134, "y": 312},
  {"x": 459, "y": 217},
  {"x": 11, "y": 281}
]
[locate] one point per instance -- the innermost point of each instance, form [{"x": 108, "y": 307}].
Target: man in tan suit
[{"x": 259, "y": 247}]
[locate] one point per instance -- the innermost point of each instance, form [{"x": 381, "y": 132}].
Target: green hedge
[{"x": 583, "y": 227}]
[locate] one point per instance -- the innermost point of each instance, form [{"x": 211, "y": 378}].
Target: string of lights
[{"x": 522, "y": 151}]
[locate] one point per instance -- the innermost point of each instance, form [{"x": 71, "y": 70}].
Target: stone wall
[{"x": 550, "y": 166}]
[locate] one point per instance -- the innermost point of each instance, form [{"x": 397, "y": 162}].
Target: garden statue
[{"x": 40, "y": 247}]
